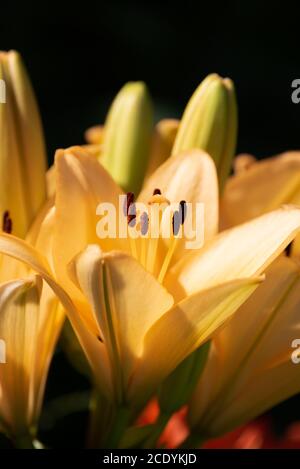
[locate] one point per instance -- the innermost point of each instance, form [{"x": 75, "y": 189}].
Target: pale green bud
[
  {"x": 127, "y": 136},
  {"x": 209, "y": 122}
]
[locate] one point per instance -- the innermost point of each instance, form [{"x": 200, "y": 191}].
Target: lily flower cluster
[{"x": 209, "y": 328}]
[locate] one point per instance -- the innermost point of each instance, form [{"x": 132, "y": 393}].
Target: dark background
[{"x": 79, "y": 55}]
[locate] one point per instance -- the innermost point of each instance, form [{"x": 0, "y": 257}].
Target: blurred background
[{"x": 79, "y": 55}]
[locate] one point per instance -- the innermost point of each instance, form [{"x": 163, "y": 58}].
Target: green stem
[
  {"x": 101, "y": 415},
  {"x": 119, "y": 426},
  {"x": 158, "y": 429}
]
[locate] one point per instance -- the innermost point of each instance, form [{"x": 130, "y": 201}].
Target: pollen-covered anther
[
  {"x": 129, "y": 209},
  {"x": 144, "y": 223},
  {"x": 179, "y": 217},
  {"x": 6, "y": 222},
  {"x": 182, "y": 211},
  {"x": 156, "y": 192}
]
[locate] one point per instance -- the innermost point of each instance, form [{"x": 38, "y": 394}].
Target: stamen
[
  {"x": 167, "y": 259},
  {"x": 129, "y": 209},
  {"x": 158, "y": 198},
  {"x": 144, "y": 230},
  {"x": 144, "y": 223},
  {"x": 182, "y": 210},
  {"x": 158, "y": 204},
  {"x": 128, "y": 201},
  {"x": 7, "y": 223},
  {"x": 178, "y": 220},
  {"x": 100, "y": 339},
  {"x": 179, "y": 217},
  {"x": 131, "y": 217}
]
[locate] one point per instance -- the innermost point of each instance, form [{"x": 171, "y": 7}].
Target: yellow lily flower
[
  {"x": 30, "y": 314},
  {"x": 133, "y": 328},
  {"x": 30, "y": 322},
  {"x": 249, "y": 369},
  {"x": 22, "y": 148}
]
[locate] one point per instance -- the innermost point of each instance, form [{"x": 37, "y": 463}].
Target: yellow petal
[
  {"x": 192, "y": 177},
  {"x": 94, "y": 349},
  {"x": 50, "y": 178},
  {"x": 263, "y": 187},
  {"x": 51, "y": 319},
  {"x": 136, "y": 300},
  {"x": 19, "y": 305},
  {"x": 250, "y": 368},
  {"x": 240, "y": 252},
  {"x": 22, "y": 150},
  {"x": 183, "y": 329},
  {"x": 81, "y": 184}
]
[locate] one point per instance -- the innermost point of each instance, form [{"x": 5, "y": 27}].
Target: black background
[{"x": 80, "y": 54}]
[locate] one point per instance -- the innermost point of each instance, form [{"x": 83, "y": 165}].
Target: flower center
[{"x": 149, "y": 247}]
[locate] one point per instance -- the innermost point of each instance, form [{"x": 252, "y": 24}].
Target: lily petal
[
  {"x": 240, "y": 252},
  {"x": 81, "y": 184},
  {"x": 192, "y": 177},
  {"x": 276, "y": 181},
  {"x": 250, "y": 369},
  {"x": 136, "y": 299},
  {"x": 94, "y": 349},
  {"x": 19, "y": 305},
  {"x": 183, "y": 329}
]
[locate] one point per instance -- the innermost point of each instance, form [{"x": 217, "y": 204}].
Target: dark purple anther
[
  {"x": 157, "y": 192},
  {"x": 182, "y": 210},
  {"x": 6, "y": 222},
  {"x": 144, "y": 223},
  {"x": 176, "y": 222}
]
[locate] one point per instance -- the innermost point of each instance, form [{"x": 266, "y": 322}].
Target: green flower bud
[
  {"x": 127, "y": 136},
  {"x": 209, "y": 122}
]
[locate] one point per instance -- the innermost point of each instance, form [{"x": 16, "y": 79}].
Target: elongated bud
[
  {"x": 177, "y": 389},
  {"x": 128, "y": 128},
  {"x": 209, "y": 122},
  {"x": 22, "y": 148}
]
